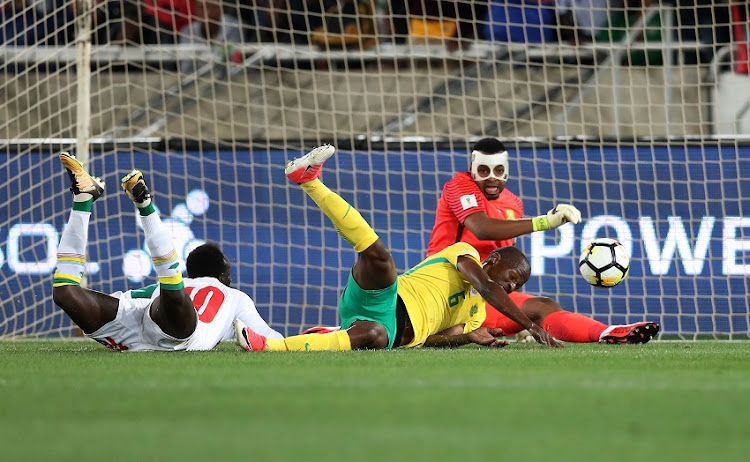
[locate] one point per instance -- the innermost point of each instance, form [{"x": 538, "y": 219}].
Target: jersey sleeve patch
[
  {"x": 463, "y": 197},
  {"x": 469, "y": 201}
]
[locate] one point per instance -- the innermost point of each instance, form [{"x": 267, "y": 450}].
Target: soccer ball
[{"x": 604, "y": 262}]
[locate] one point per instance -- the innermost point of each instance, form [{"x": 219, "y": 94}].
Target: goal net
[{"x": 636, "y": 114}]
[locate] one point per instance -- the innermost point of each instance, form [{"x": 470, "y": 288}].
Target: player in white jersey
[{"x": 191, "y": 314}]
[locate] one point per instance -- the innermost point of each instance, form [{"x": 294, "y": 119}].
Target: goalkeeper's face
[{"x": 490, "y": 171}]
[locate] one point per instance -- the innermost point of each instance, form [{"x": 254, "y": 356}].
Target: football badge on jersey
[{"x": 468, "y": 201}]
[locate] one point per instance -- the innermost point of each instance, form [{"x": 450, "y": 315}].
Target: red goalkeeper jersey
[{"x": 461, "y": 198}]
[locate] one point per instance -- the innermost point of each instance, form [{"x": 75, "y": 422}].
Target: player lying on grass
[
  {"x": 438, "y": 303},
  {"x": 196, "y": 313},
  {"x": 478, "y": 209}
]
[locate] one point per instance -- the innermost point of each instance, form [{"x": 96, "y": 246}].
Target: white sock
[
  {"x": 71, "y": 253},
  {"x": 163, "y": 254}
]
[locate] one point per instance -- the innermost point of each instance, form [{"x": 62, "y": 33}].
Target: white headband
[{"x": 490, "y": 160}]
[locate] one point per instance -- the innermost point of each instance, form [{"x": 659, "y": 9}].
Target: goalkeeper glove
[{"x": 557, "y": 217}]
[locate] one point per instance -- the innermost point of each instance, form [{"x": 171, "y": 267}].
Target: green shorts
[{"x": 358, "y": 304}]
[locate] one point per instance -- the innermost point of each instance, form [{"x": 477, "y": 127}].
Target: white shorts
[{"x": 134, "y": 330}]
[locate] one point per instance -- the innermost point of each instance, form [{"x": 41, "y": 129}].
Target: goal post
[
  {"x": 654, "y": 152},
  {"x": 83, "y": 77}
]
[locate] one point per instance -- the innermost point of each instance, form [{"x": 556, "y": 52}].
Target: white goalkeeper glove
[{"x": 557, "y": 217}]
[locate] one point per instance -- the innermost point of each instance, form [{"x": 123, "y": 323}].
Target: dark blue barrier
[{"x": 683, "y": 212}]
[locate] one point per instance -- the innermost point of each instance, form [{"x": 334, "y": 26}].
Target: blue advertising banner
[{"x": 683, "y": 213}]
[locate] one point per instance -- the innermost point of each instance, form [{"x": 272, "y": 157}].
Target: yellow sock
[
  {"x": 346, "y": 219},
  {"x": 334, "y": 341}
]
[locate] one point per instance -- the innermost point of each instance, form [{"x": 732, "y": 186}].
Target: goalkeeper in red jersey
[{"x": 476, "y": 208}]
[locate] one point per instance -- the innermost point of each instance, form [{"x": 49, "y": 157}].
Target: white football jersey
[{"x": 217, "y": 306}]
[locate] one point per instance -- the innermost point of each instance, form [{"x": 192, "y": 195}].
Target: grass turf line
[{"x": 661, "y": 402}]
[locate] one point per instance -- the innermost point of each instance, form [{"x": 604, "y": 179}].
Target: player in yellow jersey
[
  {"x": 438, "y": 298},
  {"x": 438, "y": 303}
]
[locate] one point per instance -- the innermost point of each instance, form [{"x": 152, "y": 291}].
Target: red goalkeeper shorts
[{"x": 497, "y": 319}]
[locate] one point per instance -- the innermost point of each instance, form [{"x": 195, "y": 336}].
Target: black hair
[
  {"x": 489, "y": 146},
  {"x": 206, "y": 260},
  {"x": 513, "y": 256}
]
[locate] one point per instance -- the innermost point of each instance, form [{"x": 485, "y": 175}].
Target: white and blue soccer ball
[{"x": 604, "y": 262}]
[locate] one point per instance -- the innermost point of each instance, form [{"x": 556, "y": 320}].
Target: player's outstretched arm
[
  {"x": 497, "y": 296},
  {"x": 487, "y": 228},
  {"x": 558, "y": 216},
  {"x": 455, "y": 337}
]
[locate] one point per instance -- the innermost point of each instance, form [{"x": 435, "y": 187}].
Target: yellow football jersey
[{"x": 437, "y": 296}]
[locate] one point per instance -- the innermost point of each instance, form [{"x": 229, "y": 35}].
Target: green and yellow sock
[
  {"x": 159, "y": 243},
  {"x": 71, "y": 253},
  {"x": 346, "y": 219}
]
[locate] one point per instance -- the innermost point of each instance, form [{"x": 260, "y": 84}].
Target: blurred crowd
[{"x": 363, "y": 23}]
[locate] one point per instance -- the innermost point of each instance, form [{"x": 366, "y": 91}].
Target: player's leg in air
[
  {"x": 90, "y": 310},
  {"x": 172, "y": 310},
  {"x": 567, "y": 326},
  {"x": 368, "y": 304}
]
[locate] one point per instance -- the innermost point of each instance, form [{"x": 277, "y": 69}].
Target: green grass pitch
[{"x": 682, "y": 401}]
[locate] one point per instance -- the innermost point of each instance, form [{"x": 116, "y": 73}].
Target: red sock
[{"x": 573, "y": 327}]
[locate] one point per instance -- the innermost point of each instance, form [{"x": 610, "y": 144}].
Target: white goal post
[{"x": 647, "y": 138}]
